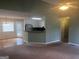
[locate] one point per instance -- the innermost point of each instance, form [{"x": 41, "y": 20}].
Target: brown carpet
[{"x": 43, "y": 52}]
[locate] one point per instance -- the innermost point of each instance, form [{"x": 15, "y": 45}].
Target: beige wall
[
  {"x": 13, "y": 16},
  {"x": 7, "y": 35}
]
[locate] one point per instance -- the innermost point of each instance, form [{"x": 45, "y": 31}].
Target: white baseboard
[
  {"x": 45, "y": 42},
  {"x": 52, "y": 42},
  {"x": 73, "y": 44},
  {"x": 35, "y": 43}
]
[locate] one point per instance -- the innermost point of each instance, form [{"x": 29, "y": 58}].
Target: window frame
[{"x": 6, "y": 27}]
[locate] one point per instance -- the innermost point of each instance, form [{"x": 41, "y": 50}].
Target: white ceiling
[{"x": 51, "y": 1}]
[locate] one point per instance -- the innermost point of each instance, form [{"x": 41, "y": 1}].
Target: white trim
[
  {"x": 44, "y": 43},
  {"x": 35, "y": 43},
  {"x": 73, "y": 44},
  {"x": 52, "y": 42}
]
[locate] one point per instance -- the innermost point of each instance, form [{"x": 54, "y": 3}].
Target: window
[{"x": 8, "y": 27}]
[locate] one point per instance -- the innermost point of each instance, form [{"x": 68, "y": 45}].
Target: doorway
[{"x": 64, "y": 21}]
